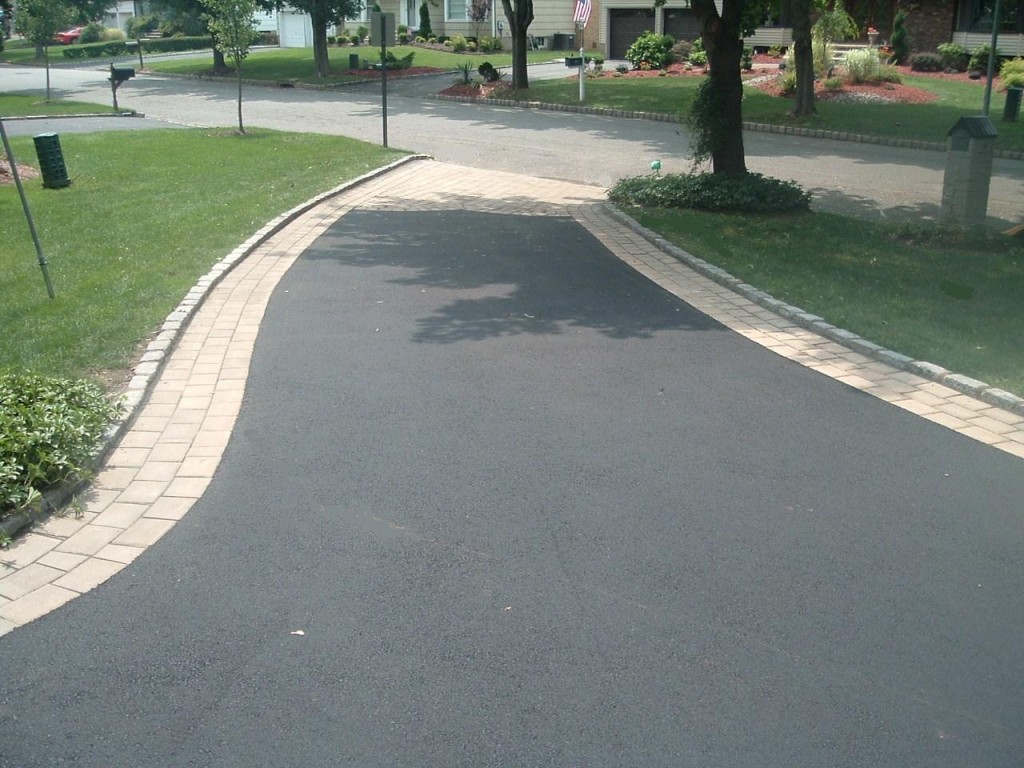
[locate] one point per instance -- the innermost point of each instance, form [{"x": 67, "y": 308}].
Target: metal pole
[
  {"x": 28, "y": 213},
  {"x": 384, "y": 78},
  {"x": 991, "y": 61},
  {"x": 583, "y": 77}
]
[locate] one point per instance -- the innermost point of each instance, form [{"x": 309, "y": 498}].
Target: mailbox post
[
  {"x": 119, "y": 75},
  {"x": 970, "y": 147}
]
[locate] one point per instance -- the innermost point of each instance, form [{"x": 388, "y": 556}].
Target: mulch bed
[
  {"x": 764, "y": 68},
  {"x": 25, "y": 172},
  {"x": 407, "y": 72}
]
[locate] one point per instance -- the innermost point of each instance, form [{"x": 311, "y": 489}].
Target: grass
[
  {"x": 148, "y": 212},
  {"x": 20, "y": 105},
  {"x": 949, "y": 298},
  {"x": 297, "y": 63},
  {"x": 922, "y": 122}
]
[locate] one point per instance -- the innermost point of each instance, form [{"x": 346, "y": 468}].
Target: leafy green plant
[
  {"x": 488, "y": 72},
  {"x": 458, "y": 43},
  {"x": 1012, "y": 73},
  {"x": 926, "y": 62},
  {"x": 425, "y": 30},
  {"x": 465, "y": 69},
  {"x": 979, "y": 59},
  {"x": 753, "y": 193},
  {"x": 775, "y": 51},
  {"x": 833, "y": 83},
  {"x": 651, "y": 51},
  {"x": 747, "y": 59},
  {"x": 50, "y": 429},
  {"x": 622, "y": 68},
  {"x": 953, "y": 55},
  {"x": 92, "y": 33},
  {"x": 698, "y": 56},
  {"x": 681, "y": 50}
]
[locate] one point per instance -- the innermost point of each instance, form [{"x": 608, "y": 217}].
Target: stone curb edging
[
  {"x": 661, "y": 117},
  {"x": 157, "y": 352},
  {"x": 119, "y": 113},
  {"x": 964, "y": 384}
]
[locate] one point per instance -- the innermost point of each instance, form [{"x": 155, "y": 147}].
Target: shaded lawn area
[
  {"x": 147, "y": 214},
  {"x": 951, "y": 299},
  {"x": 673, "y": 95},
  {"x": 20, "y": 105},
  {"x": 297, "y": 63}
]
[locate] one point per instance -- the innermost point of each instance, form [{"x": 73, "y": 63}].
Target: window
[
  {"x": 456, "y": 10},
  {"x": 976, "y": 16}
]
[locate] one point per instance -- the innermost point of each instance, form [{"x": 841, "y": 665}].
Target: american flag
[{"x": 581, "y": 15}]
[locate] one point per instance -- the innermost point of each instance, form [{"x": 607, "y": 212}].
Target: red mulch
[
  {"x": 375, "y": 73},
  {"x": 25, "y": 172}
]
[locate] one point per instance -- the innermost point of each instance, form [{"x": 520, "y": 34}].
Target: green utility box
[{"x": 51, "y": 161}]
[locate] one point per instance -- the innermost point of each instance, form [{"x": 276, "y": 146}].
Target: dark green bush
[
  {"x": 900, "y": 41},
  {"x": 140, "y": 26},
  {"x": 50, "y": 429},
  {"x": 753, "y": 193},
  {"x": 92, "y": 33},
  {"x": 979, "y": 59},
  {"x": 96, "y": 50},
  {"x": 651, "y": 51},
  {"x": 926, "y": 62},
  {"x": 954, "y": 56}
]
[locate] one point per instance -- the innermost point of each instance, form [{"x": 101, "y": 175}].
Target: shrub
[
  {"x": 651, "y": 51},
  {"x": 403, "y": 38},
  {"x": 900, "y": 41},
  {"x": 420, "y": 39},
  {"x": 488, "y": 72},
  {"x": 888, "y": 73},
  {"x": 832, "y": 83},
  {"x": 92, "y": 33},
  {"x": 926, "y": 62},
  {"x": 681, "y": 50},
  {"x": 753, "y": 193},
  {"x": 979, "y": 59},
  {"x": 425, "y": 29},
  {"x": 394, "y": 62},
  {"x": 862, "y": 66},
  {"x": 488, "y": 44},
  {"x": 775, "y": 51},
  {"x": 464, "y": 70},
  {"x": 747, "y": 59},
  {"x": 50, "y": 429},
  {"x": 363, "y": 33},
  {"x": 787, "y": 81},
  {"x": 698, "y": 56},
  {"x": 355, "y": 40},
  {"x": 1012, "y": 73},
  {"x": 953, "y": 55},
  {"x": 458, "y": 43},
  {"x": 622, "y": 68}
]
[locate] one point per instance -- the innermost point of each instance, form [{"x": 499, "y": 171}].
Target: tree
[
  {"x": 425, "y": 31},
  {"x": 798, "y": 15},
  {"x": 322, "y": 14},
  {"x": 86, "y": 11},
  {"x": 520, "y": 16},
  {"x": 716, "y": 113},
  {"x": 187, "y": 12},
  {"x": 479, "y": 11},
  {"x": 233, "y": 23},
  {"x": 39, "y": 21}
]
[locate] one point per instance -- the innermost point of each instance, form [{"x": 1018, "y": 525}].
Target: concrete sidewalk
[{"x": 191, "y": 384}]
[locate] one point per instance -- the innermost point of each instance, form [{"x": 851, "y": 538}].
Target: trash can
[
  {"x": 1012, "y": 108},
  {"x": 51, "y": 161},
  {"x": 561, "y": 42},
  {"x": 353, "y": 61}
]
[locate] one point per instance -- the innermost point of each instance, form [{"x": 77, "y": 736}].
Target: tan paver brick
[
  {"x": 144, "y": 533},
  {"x": 89, "y": 540},
  {"x": 35, "y": 604},
  {"x": 89, "y": 574},
  {"x": 25, "y": 550},
  {"x": 27, "y": 579}
]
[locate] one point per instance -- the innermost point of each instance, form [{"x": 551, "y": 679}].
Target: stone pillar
[{"x": 970, "y": 146}]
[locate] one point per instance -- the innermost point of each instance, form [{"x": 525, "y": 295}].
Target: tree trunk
[
  {"x": 238, "y": 67},
  {"x": 803, "y": 58},
  {"x": 721, "y": 37},
  {"x": 519, "y": 19},
  {"x": 321, "y": 61},
  {"x": 219, "y": 64}
]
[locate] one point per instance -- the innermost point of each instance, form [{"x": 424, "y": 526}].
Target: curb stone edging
[
  {"x": 964, "y": 384},
  {"x": 157, "y": 352}
]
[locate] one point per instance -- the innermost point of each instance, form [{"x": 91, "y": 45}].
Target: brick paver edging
[
  {"x": 661, "y": 117},
  {"x": 148, "y": 368},
  {"x": 968, "y": 386}
]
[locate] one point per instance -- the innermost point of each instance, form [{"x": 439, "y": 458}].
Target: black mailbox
[{"x": 120, "y": 74}]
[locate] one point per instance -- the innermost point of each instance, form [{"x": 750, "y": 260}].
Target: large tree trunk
[
  {"x": 321, "y": 61},
  {"x": 721, "y": 37},
  {"x": 799, "y": 18},
  {"x": 220, "y": 65},
  {"x": 519, "y": 19}
]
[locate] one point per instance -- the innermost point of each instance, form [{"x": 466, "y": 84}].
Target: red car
[{"x": 68, "y": 36}]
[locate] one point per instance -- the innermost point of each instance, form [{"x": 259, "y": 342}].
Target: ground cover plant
[
  {"x": 147, "y": 213},
  {"x": 948, "y": 297},
  {"x": 950, "y": 99},
  {"x": 20, "y": 105}
]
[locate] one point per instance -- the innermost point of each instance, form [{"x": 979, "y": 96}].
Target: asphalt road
[
  {"x": 855, "y": 179},
  {"x": 527, "y": 509}
]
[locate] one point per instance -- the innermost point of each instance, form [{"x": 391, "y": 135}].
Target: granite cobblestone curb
[
  {"x": 963, "y": 384},
  {"x": 150, "y": 364}
]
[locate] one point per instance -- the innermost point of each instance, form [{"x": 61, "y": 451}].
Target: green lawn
[
  {"x": 950, "y": 299},
  {"x": 297, "y": 63},
  {"x": 923, "y": 122},
  {"x": 148, "y": 213},
  {"x": 19, "y": 105}
]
